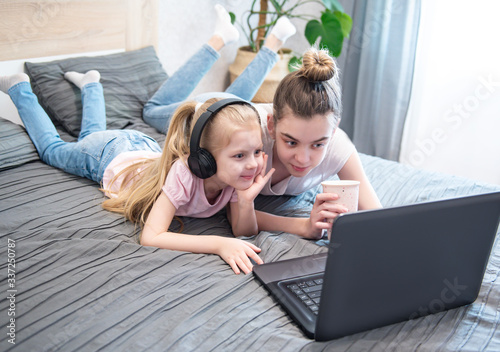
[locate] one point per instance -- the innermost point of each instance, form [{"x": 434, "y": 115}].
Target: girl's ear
[{"x": 270, "y": 126}]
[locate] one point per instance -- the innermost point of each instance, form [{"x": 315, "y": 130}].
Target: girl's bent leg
[
  {"x": 51, "y": 148},
  {"x": 249, "y": 81},
  {"x": 73, "y": 158},
  {"x": 94, "y": 111},
  {"x": 36, "y": 121},
  {"x": 86, "y": 158},
  {"x": 178, "y": 87}
]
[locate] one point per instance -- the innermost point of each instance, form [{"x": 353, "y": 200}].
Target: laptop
[{"x": 388, "y": 265}]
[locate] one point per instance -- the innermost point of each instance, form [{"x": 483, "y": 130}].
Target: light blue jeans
[
  {"x": 95, "y": 148},
  {"x": 176, "y": 89}
]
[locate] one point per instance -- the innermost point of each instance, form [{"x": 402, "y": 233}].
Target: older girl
[{"x": 305, "y": 145}]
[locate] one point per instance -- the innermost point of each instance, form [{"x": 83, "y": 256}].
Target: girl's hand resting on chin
[{"x": 259, "y": 182}]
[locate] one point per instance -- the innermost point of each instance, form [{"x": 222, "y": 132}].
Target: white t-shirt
[{"x": 339, "y": 150}]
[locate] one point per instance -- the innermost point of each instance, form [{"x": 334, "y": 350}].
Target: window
[{"x": 453, "y": 122}]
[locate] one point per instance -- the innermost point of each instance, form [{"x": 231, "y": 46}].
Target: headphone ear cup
[
  {"x": 202, "y": 164},
  {"x": 208, "y": 166},
  {"x": 200, "y": 161}
]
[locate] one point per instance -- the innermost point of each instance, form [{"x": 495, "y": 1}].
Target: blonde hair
[
  {"x": 136, "y": 197},
  {"x": 313, "y": 89}
]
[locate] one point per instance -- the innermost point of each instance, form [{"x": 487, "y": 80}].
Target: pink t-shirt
[
  {"x": 120, "y": 162},
  {"x": 183, "y": 189}
]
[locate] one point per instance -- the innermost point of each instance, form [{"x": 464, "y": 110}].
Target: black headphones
[{"x": 201, "y": 162}]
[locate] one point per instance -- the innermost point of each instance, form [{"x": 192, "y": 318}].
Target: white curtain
[
  {"x": 453, "y": 122},
  {"x": 377, "y": 73}
]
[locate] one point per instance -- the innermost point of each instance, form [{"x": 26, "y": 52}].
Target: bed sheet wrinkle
[
  {"x": 374, "y": 344},
  {"x": 86, "y": 283},
  {"x": 431, "y": 328},
  {"x": 285, "y": 246},
  {"x": 256, "y": 321},
  {"x": 487, "y": 318},
  {"x": 101, "y": 332},
  {"x": 386, "y": 338},
  {"x": 66, "y": 275},
  {"x": 262, "y": 339},
  {"x": 122, "y": 308},
  {"x": 239, "y": 303},
  {"x": 208, "y": 314},
  {"x": 228, "y": 339},
  {"x": 473, "y": 313},
  {"x": 393, "y": 342},
  {"x": 456, "y": 330},
  {"x": 90, "y": 257}
]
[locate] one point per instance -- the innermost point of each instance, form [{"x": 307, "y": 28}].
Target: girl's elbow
[
  {"x": 237, "y": 233},
  {"x": 145, "y": 240},
  {"x": 248, "y": 233}
]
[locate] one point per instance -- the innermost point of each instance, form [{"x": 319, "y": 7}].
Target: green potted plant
[{"x": 327, "y": 31}]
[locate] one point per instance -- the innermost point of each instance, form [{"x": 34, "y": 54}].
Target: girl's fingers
[
  {"x": 264, "y": 166},
  {"x": 333, "y": 208},
  {"x": 253, "y": 247},
  {"x": 324, "y": 197},
  {"x": 241, "y": 259},
  {"x": 244, "y": 264},
  {"x": 252, "y": 253},
  {"x": 263, "y": 171},
  {"x": 329, "y": 215},
  {"x": 233, "y": 266},
  {"x": 268, "y": 175},
  {"x": 323, "y": 225},
  {"x": 255, "y": 257}
]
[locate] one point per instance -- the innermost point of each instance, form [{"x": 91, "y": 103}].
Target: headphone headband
[
  {"x": 200, "y": 161},
  {"x": 212, "y": 110}
]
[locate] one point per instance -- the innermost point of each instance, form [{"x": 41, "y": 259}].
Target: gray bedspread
[{"x": 83, "y": 283}]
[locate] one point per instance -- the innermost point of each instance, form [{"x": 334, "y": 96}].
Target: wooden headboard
[{"x": 40, "y": 28}]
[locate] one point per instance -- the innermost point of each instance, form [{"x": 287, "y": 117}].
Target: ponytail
[{"x": 139, "y": 191}]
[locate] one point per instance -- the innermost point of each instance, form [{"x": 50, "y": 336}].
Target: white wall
[{"x": 185, "y": 25}]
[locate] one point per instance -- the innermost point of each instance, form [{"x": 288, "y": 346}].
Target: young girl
[
  {"x": 149, "y": 186},
  {"x": 176, "y": 89},
  {"x": 305, "y": 145}
]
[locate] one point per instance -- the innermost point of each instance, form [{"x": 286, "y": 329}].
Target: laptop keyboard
[{"x": 308, "y": 291}]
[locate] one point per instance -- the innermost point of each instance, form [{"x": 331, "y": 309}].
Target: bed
[{"x": 81, "y": 281}]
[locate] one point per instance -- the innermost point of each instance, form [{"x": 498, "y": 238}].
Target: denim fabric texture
[
  {"x": 160, "y": 108},
  {"x": 95, "y": 148}
]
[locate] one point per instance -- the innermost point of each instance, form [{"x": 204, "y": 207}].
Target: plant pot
[{"x": 266, "y": 92}]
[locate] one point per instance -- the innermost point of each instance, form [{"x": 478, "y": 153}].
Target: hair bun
[{"x": 318, "y": 65}]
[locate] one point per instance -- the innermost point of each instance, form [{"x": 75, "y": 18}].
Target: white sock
[
  {"x": 223, "y": 26},
  {"x": 81, "y": 79},
  {"x": 8, "y": 81},
  {"x": 283, "y": 29}
]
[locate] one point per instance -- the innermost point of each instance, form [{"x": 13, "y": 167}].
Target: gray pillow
[
  {"x": 129, "y": 80},
  {"x": 16, "y": 147}
]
